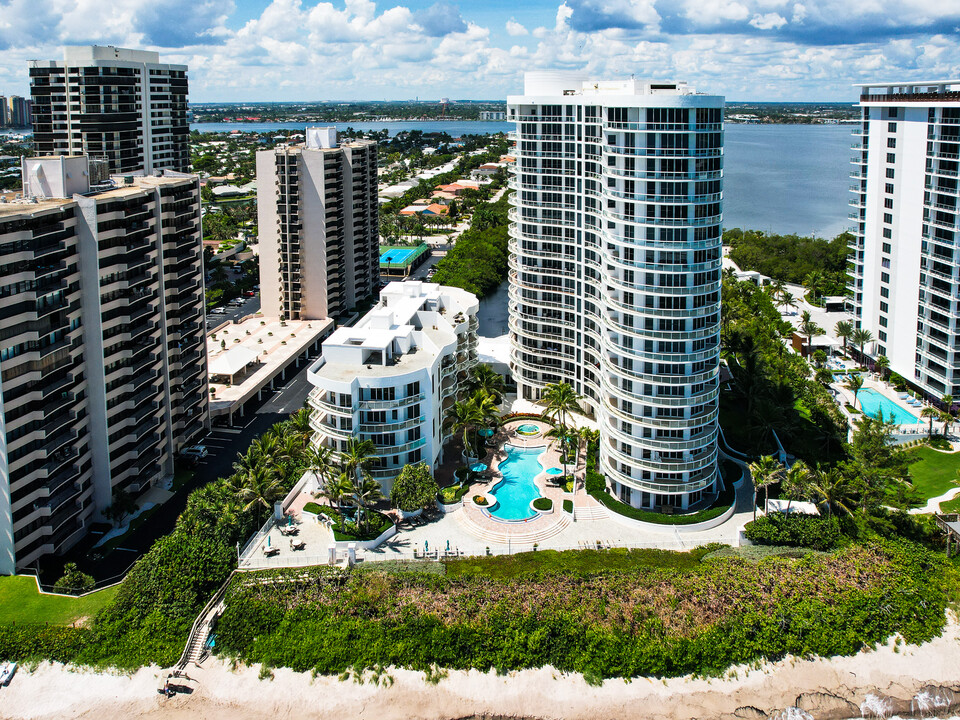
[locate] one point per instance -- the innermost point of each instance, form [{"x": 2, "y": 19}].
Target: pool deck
[{"x": 871, "y": 381}]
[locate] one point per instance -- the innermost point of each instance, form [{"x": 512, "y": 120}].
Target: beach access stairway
[
  {"x": 591, "y": 512},
  {"x": 200, "y": 632}
]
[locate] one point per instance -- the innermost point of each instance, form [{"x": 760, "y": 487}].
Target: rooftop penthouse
[{"x": 914, "y": 91}]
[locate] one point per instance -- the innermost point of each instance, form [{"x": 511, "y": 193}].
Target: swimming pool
[
  {"x": 528, "y": 430},
  {"x": 872, "y": 403},
  {"x": 554, "y": 471},
  {"x": 396, "y": 256},
  {"x": 516, "y": 490}
]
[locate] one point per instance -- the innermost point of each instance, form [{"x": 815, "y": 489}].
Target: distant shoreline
[{"x": 893, "y": 679}]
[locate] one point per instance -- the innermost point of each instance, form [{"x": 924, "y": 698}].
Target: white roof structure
[{"x": 232, "y": 361}]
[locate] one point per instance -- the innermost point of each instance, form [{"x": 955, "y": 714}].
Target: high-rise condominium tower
[
  {"x": 615, "y": 271},
  {"x": 124, "y": 105},
  {"x": 319, "y": 226},
  {"x": 103, "y": 360},
  {"x": 905, "y": 281}
]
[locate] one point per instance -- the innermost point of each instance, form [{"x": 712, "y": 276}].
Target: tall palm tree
[
  {"x": 561, "y": 400},
  {"x": 486, "y": 406},
  {"x": 788, "y": 300},
  {"x": 861, "y": 337},
  {"x": 947, "y": 401},
  {"x": 930, "y": 412},
  {"x": 357, "y": 456},
  {"x": 765, "y": 471},
  {"x": 854, "y": 385},
  {"x": 947, "y": 420},
  {"x": 831, "y": 488},
  {"x": 319, "y": 461},
  {"x": 882, "y": 364},
  {"x": 484, "y": 377},
  {"x": 809, "y": 329},
  {"x": 366, "y": 492},
  {"x": 339, "y": 490},
  {"x": 260, "y": 490},
  {"x": 844, "y": 330},
  {"x": 777, "y": 287},
  {"x": 814, "y": 283},
  {"x": 796, "y": 482},
  {"x": 299, "y": 423},
  {"x": 461, "y": 418}
]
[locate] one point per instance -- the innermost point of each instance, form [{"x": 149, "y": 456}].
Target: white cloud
[
  {"x": 515, "y": 29},
  {"x": 769, "y": 21}
]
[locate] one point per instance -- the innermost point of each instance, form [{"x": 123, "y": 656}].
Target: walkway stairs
[
  {"x": 511, "y": 534},
  {"x": 591, "y": 512},
  {"x": 193, "y": 652}
]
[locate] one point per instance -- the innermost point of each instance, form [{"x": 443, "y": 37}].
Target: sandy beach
[{"x": 895, "y": 679}]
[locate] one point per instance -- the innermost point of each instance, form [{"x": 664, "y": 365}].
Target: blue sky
[{"x": 296, "y": 50}]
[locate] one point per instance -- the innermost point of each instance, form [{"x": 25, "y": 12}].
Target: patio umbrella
[
  {"x": 426, "y": 546},
  {"x": 268, "y": 541},
  {"x": 448, "y": 546}
]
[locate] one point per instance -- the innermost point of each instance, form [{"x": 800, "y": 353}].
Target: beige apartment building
[
  {"x": 319, "y": 226},
  {"x": 102, "y": 354}
]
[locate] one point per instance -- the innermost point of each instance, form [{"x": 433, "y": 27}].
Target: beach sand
[{"x": 885, "y": 681}]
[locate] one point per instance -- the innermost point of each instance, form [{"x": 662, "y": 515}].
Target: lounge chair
[{"x": 271, "y": 551}]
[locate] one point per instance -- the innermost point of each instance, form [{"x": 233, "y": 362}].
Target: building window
[
  {"x": 888, "y": 203},
  {"x": 890, "y": 172},
  {"x": 883, "y": 321},
  {"x": 886, "y": 247},
  {"x": 882, "y": 335},
  {"x": 891, "y": 143},
  {"x": 884, "y": 307},
  {"x": 891, "y": 157},
  {"x": 888, "y": 188},
  {"x": 892, "y": 127},
  {"x": 888, "y": 233},
  {"x": 884, "y": 292},
  {"x": 888, "y": 218},
  {"x": 885, "y": 277}
]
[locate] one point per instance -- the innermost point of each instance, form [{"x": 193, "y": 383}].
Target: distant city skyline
[{"x": 304, "y": 50}]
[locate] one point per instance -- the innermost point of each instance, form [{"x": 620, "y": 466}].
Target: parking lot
[{"x": 232, "y": 312}]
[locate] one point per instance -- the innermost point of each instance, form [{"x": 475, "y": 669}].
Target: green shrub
[
  {"x": 345, "y": 529},
  {"x": 73, "y": 581},
  {"x": 568, "y": 506},
  {"x": 795, "y": 530},
  {"x": 480, "y": 500},
  {"x": 414, "y": 488},
  {"x": 452, "y": 494},
  {"x": 542, "y": 503}
]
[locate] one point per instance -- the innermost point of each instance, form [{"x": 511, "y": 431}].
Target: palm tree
[
  {"x": 261, "y": 489},
  {"x": 339, "y": 490},
  {"x": 861, "y": 337},
  {"x": 854, "y": 384},
  {"x": 831, "y": 488},
  {"x": 947, "y": 401},
  {"x": 319, "y": 461},
  {"x": 788, "y": 300},
  {"x": 484, "y": 377},
  {"x": 844, "y": 330},
  {"x": 777, "y": 288},
  {"x": 809, "y": 329},
  {"x": 487, "y": 407},
  {"x": 930, "y": 412},
  {"x": 299, "y": 423},
  {"x": 796, "y": 483},
  {"x": 823, "y": 376},
  {"x": 561, "y": 400},
  {"x": 366, "y": 491},
  {"x": 357, "y": 456},
  {"x": 882, "y": 363},
  {"x": 766, "y": 471},
  {"x": 947, "y": 420},
  {"x": 461, "y": 417},
  {"x": 814, "y": 283}
]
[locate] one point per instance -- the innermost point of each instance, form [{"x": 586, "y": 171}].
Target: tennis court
[{"x": 397, "y": 256}]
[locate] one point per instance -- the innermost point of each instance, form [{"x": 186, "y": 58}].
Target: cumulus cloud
[
  {"x": 769, "y": 21},
  {"x": 515, "y": 29}
]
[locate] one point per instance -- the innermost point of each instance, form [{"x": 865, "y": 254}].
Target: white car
[{"x": 194, "y": 452}]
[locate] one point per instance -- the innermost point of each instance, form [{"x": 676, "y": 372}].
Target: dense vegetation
[
  {"x": 478, "y": 261},
  {"x": 651, "y": 619},
  {"x": 792, "y": 258},
  {"x": 148, "y": 619}
]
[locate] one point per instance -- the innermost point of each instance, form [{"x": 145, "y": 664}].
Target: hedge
[
  {"x": 452, "y": 494},
  {"x": 542, "y": 503},
  {"x": 795, "y": 530}
]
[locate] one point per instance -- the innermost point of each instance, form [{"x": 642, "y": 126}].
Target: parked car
[
  {"x": 194, "y": 453},
  {"x": 250, "y": 293},
  {"x": 218, "y": 311}
]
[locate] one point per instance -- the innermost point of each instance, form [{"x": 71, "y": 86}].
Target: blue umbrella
[
  {"x": 268, "y": 541},
  {"x": 426, "y": 546},
  {"x": 448, "y": 546}
]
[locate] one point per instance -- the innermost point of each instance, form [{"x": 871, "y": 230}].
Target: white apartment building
[
  {"x": 318, "y": 221},
  {"x": 392, "y": 377},
  {"x": 102, "y": 354},
  {"x": 904, "y": 282},
  {"x": 124, "y": 105},
  {"x": 615, "y": 271}
]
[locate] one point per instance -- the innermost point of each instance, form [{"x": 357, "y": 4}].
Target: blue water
[
  {"x": 517, "y": 490},
  {"x": 454, "y": 128},
  {"x": 554, "y": 471},
  {"x": 871, "y": 403},
  {"x": 478, "y": 467},
  {"x": 397, "y": 257}
]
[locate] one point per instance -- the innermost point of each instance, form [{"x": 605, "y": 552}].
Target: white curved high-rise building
[{"x": 615, "y": 271}]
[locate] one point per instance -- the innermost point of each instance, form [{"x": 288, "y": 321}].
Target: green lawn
[
  {"x": 951, "y": 506},
  {"x": 934, "y": 472},
  {"x": 21, "y": 603}
]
